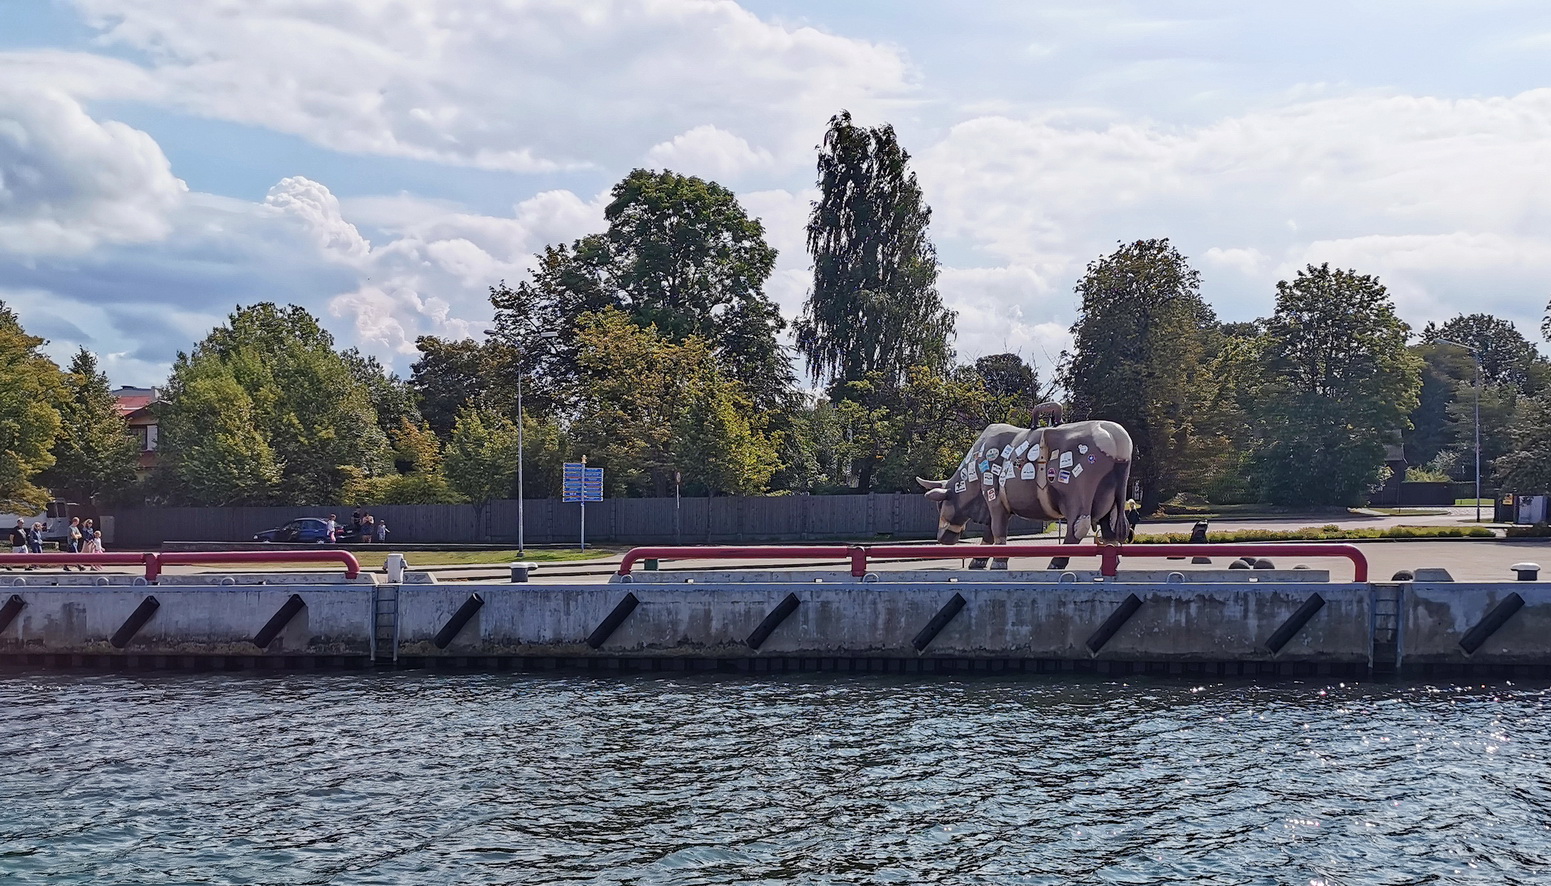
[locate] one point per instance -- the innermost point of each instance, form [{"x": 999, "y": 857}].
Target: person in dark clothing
[{"x": 35, "y": 539}]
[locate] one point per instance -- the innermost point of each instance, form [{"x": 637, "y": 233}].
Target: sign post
[{"x": 581, "y": 484}]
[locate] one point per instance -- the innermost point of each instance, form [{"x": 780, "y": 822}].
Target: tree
[
  {"x": 94, "y": 455},
  {"x": 451, "y": 375},
  {"x": 679, "y": 254},
  {"x": 30, "y": 386},
  {"x": 1337, "y": 384},
  {"x": 481, "y": 458},
  {"x": 212, "y": 451},
  {"x": 648, "y": 407},
  {"x": 307, "y": 402},
  {"x": 874, "y": 305},
  {"x": 1527, "y": 465},
  {"x": 1136, "y": 359},
  {"x": 1507, "y": 357}
]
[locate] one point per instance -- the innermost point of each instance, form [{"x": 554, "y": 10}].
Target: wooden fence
[{"x": 625, "y": 521}]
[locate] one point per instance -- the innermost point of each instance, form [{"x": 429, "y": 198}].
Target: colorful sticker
[
  {"x": 1065, "y": 476},
  {"x": 986, "y": 478},
  {"x": 1066, "y": 459},
  {"x": 990, "y": 495},
  {"x": 985, "y": 465},
  {"x": 1092, "y": 459},
  {"x": 961, "y": 486},
  {"x": 1022, "y": 447},
  {"x": 1077, "y": 471},
  {"x": 1050, "y": 473},
  {"x": 1083, "y": 448},
  {"x": 1034, "y": 452},
  {"x": 1007, "y": 451},
  {"x": 1029, "y": 471}
]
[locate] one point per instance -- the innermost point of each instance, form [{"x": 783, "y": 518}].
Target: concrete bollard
[
  {"x": 1526, "y": 571},
  {"x": 521, "y": 569},
  {"x": 395, "y": 566}
]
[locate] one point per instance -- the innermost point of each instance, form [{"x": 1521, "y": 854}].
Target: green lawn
[
  {"x": 418, "y": 559},
  {"x": 1330, "y": 532}
]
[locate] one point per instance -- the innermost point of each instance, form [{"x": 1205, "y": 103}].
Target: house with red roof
[{"x": 134, "y": 406}]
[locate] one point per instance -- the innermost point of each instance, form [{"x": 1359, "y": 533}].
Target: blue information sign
[{"x": 581, "y": 483}]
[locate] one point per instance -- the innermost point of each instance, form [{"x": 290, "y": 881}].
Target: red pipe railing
[
  {"x": 1109, "y": 555},
  {"x": 213, "y": 558},
  {"x": 154, "y": 561}
]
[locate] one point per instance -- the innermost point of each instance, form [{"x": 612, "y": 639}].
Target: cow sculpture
[{"x": 1077, "y": 472}]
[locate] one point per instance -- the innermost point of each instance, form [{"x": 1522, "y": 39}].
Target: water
[{"x": 417, "y": 778}]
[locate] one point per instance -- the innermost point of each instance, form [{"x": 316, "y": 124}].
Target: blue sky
[{"x": 382, "y": 163}]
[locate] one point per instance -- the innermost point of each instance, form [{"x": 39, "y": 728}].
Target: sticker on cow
[{"x": 1091, "y": 500}]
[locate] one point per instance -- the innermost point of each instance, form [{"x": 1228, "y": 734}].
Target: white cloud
[
  {"x": 521, "y": 85},
  {"x": 318, "y": 210},
  {"x": 707, "y": 152},
  {"x": 68, "y": 182}
]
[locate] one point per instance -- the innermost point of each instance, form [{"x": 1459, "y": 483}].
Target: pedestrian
[
  {"x": 368, "y": 529},
  {"x": 35, "y": 539},
  {"x": 91, "y": 541},
  {"x": 333, "y": 528},
  {"x": 73, "y": 541},
  {"x": 19, "y": 537},
  {"x": 382, "y": 532}
]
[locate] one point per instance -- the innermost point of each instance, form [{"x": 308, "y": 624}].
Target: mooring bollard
[
  {"x": 520, "y": 572},
  {"x": 395, "y": 566},
  {"x": 1526, "y": 571}
]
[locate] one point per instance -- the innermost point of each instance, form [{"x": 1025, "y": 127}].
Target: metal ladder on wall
[
  {"x": 385, "y": 624},
  {"x": 1386, "y": 629}
]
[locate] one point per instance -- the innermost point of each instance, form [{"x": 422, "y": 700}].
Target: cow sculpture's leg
[
  {"x": 998, "y": 533},
  {"x": 980, "y": 562}
]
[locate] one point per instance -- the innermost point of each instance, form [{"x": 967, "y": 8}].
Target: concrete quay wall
[{"x": 1268, "y": 627}]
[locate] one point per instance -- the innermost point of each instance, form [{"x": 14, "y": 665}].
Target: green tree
[
  {"x": 679, "y": 254},
  {"x": 95, "y": 457},
  {"x": 453, "y": 374},
  {"x": 1526, "y": 467},
  {"x": 308, "y": 404},
  {"x": 481, "y": 458},
  {"x": 30, "y": 386},
  {"x": 1137, "y": 352},
  {"x": 648, "y": 407},
  {"x": 1337, "y": 384},
  {"x": 211, "y": 449},
  {"x": 874, "y": 306}
]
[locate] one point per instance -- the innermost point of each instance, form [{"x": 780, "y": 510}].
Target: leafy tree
[
  {"x": 1008, "y": 376},
  {"x": 481, "y": 457},
  {"x": 95, "y": 457},
  {"x": 212, "y": 451},
  {"x": 647, "y": 407},
  {"x": 1507, "y": 357},
  {"x": 874, "y": 306},
  {"x": 30, "y": 386},
  {"x": 391, "y": 398},
  {"x": 452, "y": 375},
  {"x": 679, "y": 254},
  {"x": 1138, "y": 347},
  {"x": 1527, "y": 465},
  {"x": 308, "y": 405},
  {"x": 1337, "y": 384}
]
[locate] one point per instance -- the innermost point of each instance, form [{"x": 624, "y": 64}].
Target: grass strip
[{"x": 1329, "y": 532}]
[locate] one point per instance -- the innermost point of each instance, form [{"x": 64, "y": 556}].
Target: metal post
[
  {"x": 521, "y": 524},
  {"x": 1477, "y": 355},
  {"x": 584, "y": 524}
]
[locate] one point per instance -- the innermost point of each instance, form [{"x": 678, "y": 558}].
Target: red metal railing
[
  {"x": 1109, "y": 555},
  {"x": 154, "y": 561}
]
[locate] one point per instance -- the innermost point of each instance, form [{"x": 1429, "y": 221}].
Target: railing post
[
  {"x": 858, "y": 561},
  {"x": 1109, "y": 560}
]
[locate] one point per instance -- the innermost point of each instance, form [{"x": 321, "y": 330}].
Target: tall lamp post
[
  {"x": 1476, "y": 383},
  {"x": 522, "y": 355}
]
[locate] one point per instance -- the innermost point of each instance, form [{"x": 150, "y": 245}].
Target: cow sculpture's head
[{"x": 955, "y": 509}]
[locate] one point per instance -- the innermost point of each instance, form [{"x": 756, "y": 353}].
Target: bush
[{"x": 1539, "y": 530}]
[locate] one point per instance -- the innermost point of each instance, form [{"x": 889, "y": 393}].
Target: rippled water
[{"x": 418, "y": 778}]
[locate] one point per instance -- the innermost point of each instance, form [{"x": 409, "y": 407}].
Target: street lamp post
[
  {"x": 1475, "y": 383},
  {"x": 521, "y": 370}
]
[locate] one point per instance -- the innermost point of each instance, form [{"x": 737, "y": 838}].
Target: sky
[{"x": 384, "y": 162}]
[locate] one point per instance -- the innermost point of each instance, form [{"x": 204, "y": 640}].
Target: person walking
[
  {"x": 91, "y": 541},
  {"x": 35, "y": 539},
  {"x": 73, "y": 541},
  {"x": 382, "y": 532},
  {"x": 333, "y": 528},
  {"x": 19, "y": 538}
]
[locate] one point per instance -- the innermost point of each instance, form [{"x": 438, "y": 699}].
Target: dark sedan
[{"x": 307, "y": 530}]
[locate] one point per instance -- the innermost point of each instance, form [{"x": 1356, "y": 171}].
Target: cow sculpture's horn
[{"x": 932, "y": 484}]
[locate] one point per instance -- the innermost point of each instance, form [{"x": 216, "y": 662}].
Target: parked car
[{"x": 307, "y": 530}]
